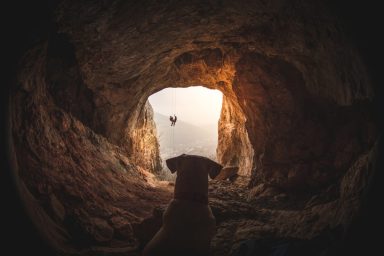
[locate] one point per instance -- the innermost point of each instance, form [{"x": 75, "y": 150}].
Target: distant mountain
[{"x": 185, "y": 138}]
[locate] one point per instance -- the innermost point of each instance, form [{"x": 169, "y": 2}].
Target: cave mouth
[{"x": 196, "y": 130}]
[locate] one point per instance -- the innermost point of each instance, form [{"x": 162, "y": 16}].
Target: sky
[{"x": 197, "y": 105}]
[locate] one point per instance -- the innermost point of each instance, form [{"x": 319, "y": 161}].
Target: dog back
[{"x": 188, "y": 228}]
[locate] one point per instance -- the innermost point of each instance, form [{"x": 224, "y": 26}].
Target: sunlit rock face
[
  {"x": 144, "y": 151},
  {"x": 295, "y": 119},
  {"x": 234, "y": 147}
]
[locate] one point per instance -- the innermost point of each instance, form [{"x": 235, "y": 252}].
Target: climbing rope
[
  {"x": 174, "y": 101},
  {"x": 173, "y": 141},
  {"x": 174, "y": 111}
]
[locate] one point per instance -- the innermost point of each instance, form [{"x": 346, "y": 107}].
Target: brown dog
[{"x": 188, "y": 222}]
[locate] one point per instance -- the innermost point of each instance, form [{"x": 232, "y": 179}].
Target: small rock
[{"x": 228, "y": 172}]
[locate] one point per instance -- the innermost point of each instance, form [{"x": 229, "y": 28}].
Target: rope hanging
[
  {"x": 173, "y": 126},
  {"x": 173, "y": 142}
]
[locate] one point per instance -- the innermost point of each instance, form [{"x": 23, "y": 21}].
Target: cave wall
[
  {"x": 300, "y": 139},
  {"x": 64, "y": 80},
  {"x": 80, "y": 189},
  {"x": 144, "y": 150},
  {"x": 66, "y": 86},
  {"x": 125, "y": 56},
  {"x": 234, "y": 147},
  {"x": 291, "y": 79}
]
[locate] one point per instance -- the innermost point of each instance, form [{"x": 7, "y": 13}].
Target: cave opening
[{"x": 196, "y": 130}]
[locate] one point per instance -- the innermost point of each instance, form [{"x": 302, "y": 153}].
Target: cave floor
[{"x": 240, "y": 215}]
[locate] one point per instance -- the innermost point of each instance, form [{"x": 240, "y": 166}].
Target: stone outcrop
[
  {"x": 144, "y": 150},
  {"x": 296, "y": 119},
  {"x": 234, "y": 147}
]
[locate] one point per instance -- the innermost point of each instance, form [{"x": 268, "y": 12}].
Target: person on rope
[{"x": 174, "y": 119}]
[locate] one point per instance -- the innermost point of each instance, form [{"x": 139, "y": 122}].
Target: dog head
[{"x": 185, "y": 162}]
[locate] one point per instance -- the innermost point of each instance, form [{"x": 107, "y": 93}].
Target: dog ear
[
  {"x": 214, "y": 169},
  {"x": 173, "y": 163}
]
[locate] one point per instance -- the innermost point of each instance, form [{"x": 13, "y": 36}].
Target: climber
[{"x": 174, "y": 119}]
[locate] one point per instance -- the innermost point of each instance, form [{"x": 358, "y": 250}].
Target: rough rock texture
[
  {"x": 65, "y": 84},
  {"x": 83, "y": 190},
  {"x": 296, "y": 119},
  {"x": 234, "y": 147},
  {"x": 321, "y": 218},
  {"x": 330, "y": 210},
  {"x": 144, "y": 150},
  {"x": 271, "y": 58},
  {"x": 228, "y": 173},
  {"x": 287, "y": 153}
]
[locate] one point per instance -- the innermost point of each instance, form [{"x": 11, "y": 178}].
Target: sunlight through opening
[{"x": 196, "y": 129}]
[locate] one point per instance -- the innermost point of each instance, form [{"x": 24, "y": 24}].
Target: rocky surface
[
  {"x": 242, "y": 216},
  {"x": 262, "y": 212},
  {"x": 145, "y": 150},
  {"x": 234, "y": 147},
  {"x": 285, "y": 69},
  {"x": 296, "y": 119},
  {"x": 66, "y": 85},
  {"x": 228, "y": 173},
  {"x": 287, "y": 154},
  {"x": 84, "y": 191}
]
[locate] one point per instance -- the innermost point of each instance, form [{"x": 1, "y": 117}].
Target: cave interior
[{"x": 298, "y": 119}]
